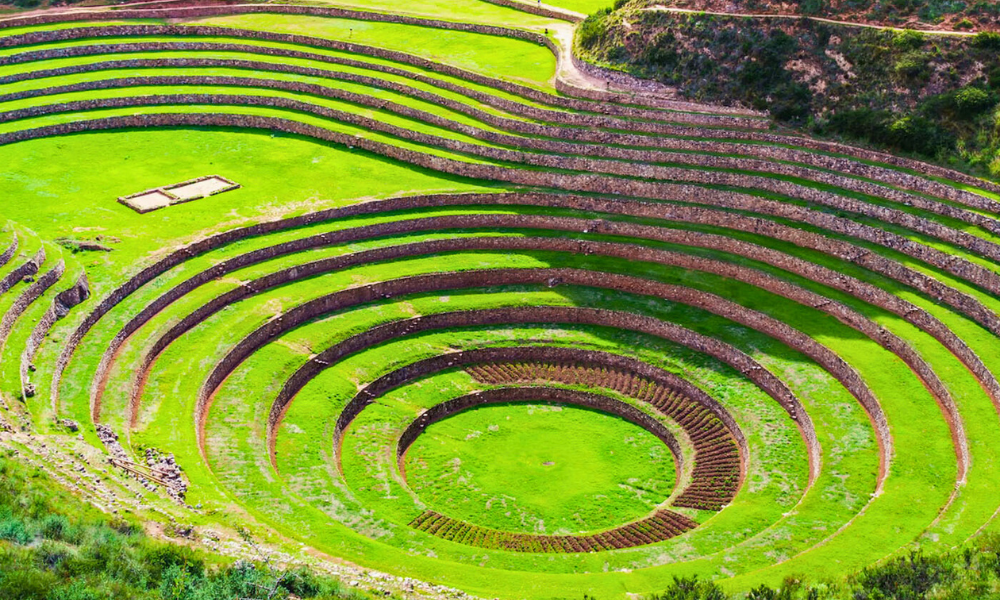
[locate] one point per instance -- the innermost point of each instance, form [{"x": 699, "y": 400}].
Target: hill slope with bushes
[
  {"x": 929, "y": 95},
  {"x": 52, "y": 547},
  {"x": 974, "y": 15}
]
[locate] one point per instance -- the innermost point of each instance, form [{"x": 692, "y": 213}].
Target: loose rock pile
[{"x": 168, "y": 471}]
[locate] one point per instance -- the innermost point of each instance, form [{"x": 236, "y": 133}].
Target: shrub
[
  {"x": 790, "y": 102},
  {"x": 684, "y": 588},
  {"x": 970, "y": 101},
  {"x": 56, "y": 527},
  {"x": 858, "y": 123},
  {"x": 76, "y": 590},
  {"x": 812, "y": 7},
  {"x": 908, "y": 39},
  {"x": 913, "y": 66},
  {"x": 905, "y": 578},
  {"x": 14, "y": 530},
  {"x": 661, "y": 52},
  {"x": 987, "y": 40},
  {"x": 177, "y": 583},
  {"x": 160, "y": 559},
  {"x": 593, "y": 29},
  {"x": 20, "y": 584},
  {"x": 52, "y": 555},
  {"x": 911, "y": 133}
]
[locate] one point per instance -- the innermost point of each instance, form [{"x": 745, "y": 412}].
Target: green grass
[
  {"x": 586, "y": 7},
  {"x": 471, "y": 11},
  {"x": 505, "y": 58},
  {"x": 540, "y": 469},
  {"x": 47, "y": 192},
  {"x": 530, "y": 468}
]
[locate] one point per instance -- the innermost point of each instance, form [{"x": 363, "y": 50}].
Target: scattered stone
[
  {"x": 110, "y": 440},
  {"x": 166, "y": 469}
]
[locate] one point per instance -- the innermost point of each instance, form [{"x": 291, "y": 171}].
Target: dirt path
[
  {"x": 661, "y": 8},
  {"x": 643, "y": 91}
]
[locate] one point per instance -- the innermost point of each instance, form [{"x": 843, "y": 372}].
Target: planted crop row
[{"x": 717, "y": 460}]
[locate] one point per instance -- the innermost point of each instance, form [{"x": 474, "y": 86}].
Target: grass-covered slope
[{"x": 778, "y": 352}]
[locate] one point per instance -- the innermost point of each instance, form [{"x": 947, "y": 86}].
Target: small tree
[{"x": 269, "y": 585}]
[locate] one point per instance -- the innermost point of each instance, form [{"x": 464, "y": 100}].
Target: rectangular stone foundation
[{"x": 185, "y": 191}]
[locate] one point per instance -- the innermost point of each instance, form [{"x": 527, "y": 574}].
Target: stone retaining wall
[
  {"x": 662, "y": 525},
  {"x": 627, "y": 252},
  {"x": 529, "y": 92},
  {"x": 960, "y": 267},
  {"x": 537, "y": 395},
  {"x": 843, "y": 250},
  {"x": 25, "y": 269},
  {"x": 504, "y": 316},
  {"x": 11, "y": 249},
  {"x": 606, "y": 149},
  {"x": 587, "y": 134},
  {"x": 60, "y": 307},
  {"x": 635, "y": 253},
  {"x": 28, "y": 296},
  {"x": 717, "y": 471},
  {"x": 536, "y": 10},
  {"x": 492, "y": 277},
  {"x": 77, "y": 33},
  {"x": 957, "y": 266}
]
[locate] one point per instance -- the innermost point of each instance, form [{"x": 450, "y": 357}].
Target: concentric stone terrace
[{"x": 772, "y": 355}]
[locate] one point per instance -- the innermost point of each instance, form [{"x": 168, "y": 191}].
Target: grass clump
[{"x": 973, "y": 573}]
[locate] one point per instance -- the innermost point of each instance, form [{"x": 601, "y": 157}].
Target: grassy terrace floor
[{"x": 835, "y": 312}]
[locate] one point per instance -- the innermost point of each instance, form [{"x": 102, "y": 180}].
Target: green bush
[
  {"x": 971, "y": 101},
  {"x": 56, "y": 527},
  {"x": 14, "y": 530},
  {"x": 905, "y": 578},
  {"x": 912, "y": 66},
  {"x": 684, "y": 588},
  {"x": 812, "y": 7},
  {"x": 908, "y": 39},
  {"x": 988, "y": 40},
  {"x": 47, "y": 553},
  {"x": 910, "y": 133},
  {"x": 593, "y": 29},
  {"x": 790, "y": 102},
  {"x": 993, "y": 77}
]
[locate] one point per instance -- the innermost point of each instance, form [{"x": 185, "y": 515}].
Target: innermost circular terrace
[
  {"x": 662, "y": 524},
  {"x": 540, "y": 467}
]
